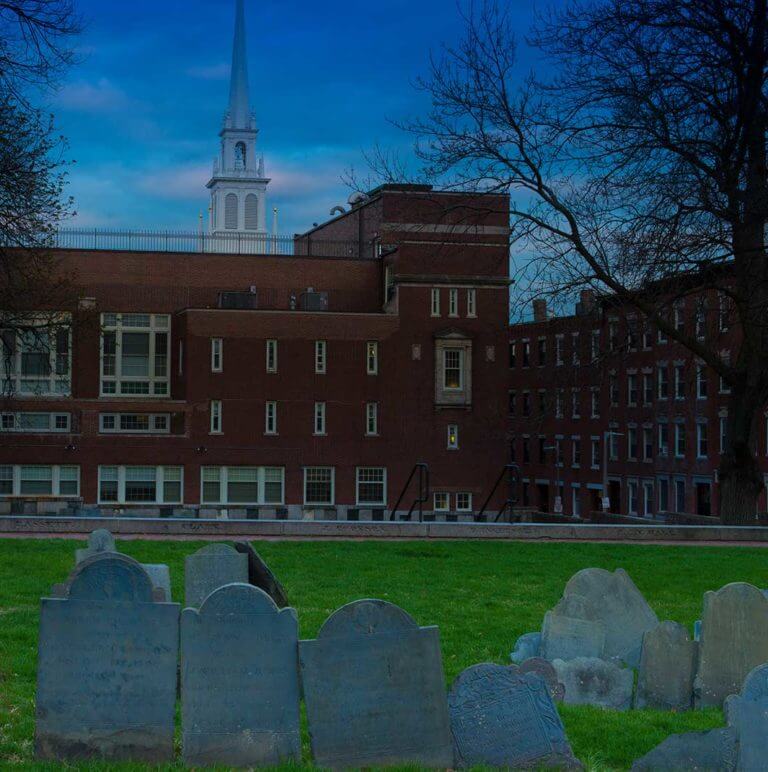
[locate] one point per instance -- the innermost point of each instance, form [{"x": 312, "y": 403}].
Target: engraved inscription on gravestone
[
  {"x": 239, "y": 680},
  {"x": 374, "y": 690},
  {"x": 210, "y": 568},
  {"x": 106, "y": 674},
  {"x": 503, "y": 718}
]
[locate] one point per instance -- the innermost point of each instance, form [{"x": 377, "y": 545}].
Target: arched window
[
  {"x": 240, "y": 155},
  {"x": 251, "y": 212},
  {"x": 230, "y": 212}
]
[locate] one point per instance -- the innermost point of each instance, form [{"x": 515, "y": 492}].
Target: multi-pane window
[
  {"x": 372, "y": 418},
  {"x": 574, "y": 348},
  {"x": 39, "y": 480},
  {"x": 270, "y": 418},
  {"x": 134, "y": 354},
  {"x": 463, "y": 502},
  {"x": 613, "y": 389},
  {"x": 559, "y": 349},
  {"x": 140, "y": 484},
  {"x": 701, "y": 319},
  {"x": 701, "y": 382},
  {"x": 576, "y": 451},
  {"x": 321, "y": 348},
  {"x": 702, "y": 440},
  {"x": 36, "y": 359},
  {"x": 371, "y": 485},
  {"x": 680, "y": 440},
  {"x": 135, "y": 423},
  {"x": 632, "y": 390},
  {"x": 575, "y": 403},
  {"x": 471, "y": 302},
  {"x": 663, "y": 439},
  {"x": 613, "y": 336},
  {"x": 526, "y": 353},
  {"x": 453, "y": 302},
  {"x": 216, "y": 416},
  {"x": 613, "y": 445},
  {"x": 243, "y": 485},
  {"x": 595, "y": 452},
  {"x": 435, "y": 302},
  {"x": 526, "y": 450},
  {"x": 512, "y": 402},
  {"x": 453, "y": 369},
  {"x": 647, "y": 443},
  {"x": 632, "y": 497},
  {"x": 542, "y": 402},
  {"x": 542, "y": 349},
  {"x": 442, "y": 501},
  {"x": 513, "y": 354},
  {"x": 453, "y": 437},
  {"x": 724, "y": 313},
  {"x": 662, "y": 380},
  {"x": 319, "y": 485},
  {"x": 680, "y": 495},
  {"x": 559, "y": 403},
  {"x": 662, "y": 485},
  {"x": 594, "y": 345},
  {"x": 372, "y": 357},
  {"x": 271, "y": 356},
  {"x": 632, "y": 443},
  {"x": 319, "y": 418},
  {"x": 679, "y": 382},
  {"x": 678, "y": 316},
  {"x": 595, "y": 403},
  {"x": 526, "y": 403},
  {"x": 647, "y": 389},
  {"x": 42, "y": 423},
  {"x": 217, "y": 355}
]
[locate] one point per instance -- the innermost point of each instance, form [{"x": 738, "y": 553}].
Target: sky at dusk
[{"x": 143, "y": 106}]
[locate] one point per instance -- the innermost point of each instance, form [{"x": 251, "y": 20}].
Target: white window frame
[
  {"x": 271, "y": 356},
  {"x": 321, "y": 357},
  {"x": 371, "y": 419},
  {"x": 468, "y": 506},
  {"x": 633, "y": 497},
  {"x": 10, "y": 422},
  {"x": 471, "y": 303},
  {"x": 216, "y": 417},
  {"x": 460, "y": 353},
  {"x": 443, "y": 503},
  {"x": 160, "y": 472},
  {"x": 311, "y": 469},
  {"x": 662, "y": 382},
  {"x": 56, "y": 480},
  {"x": 217, "y": 355},
  {"x": 270, "y": 417},
  {"x": 594, "y": 452},
  {"x": 383, "y": 483},
  {"x": 679, "y": 371},
  {"x": 319, "y": 424},
  {"x": 453, "y": 302},
  {"x": 434, "y": 301},
  {"x": 223, "y": 483},
  {"x": 559, "y": 341},
  {"x": 372, "y": 357},
  {"x": 702, "y": 385},
  {"x": 152, "y": 428},
  {"x": 575, "y": 358},
  {"x": 452, "y": 440},
  {"x": 663, "y": 439},
  {"x": 702, "y": 439},
  {"x": 681, "y": 440}
]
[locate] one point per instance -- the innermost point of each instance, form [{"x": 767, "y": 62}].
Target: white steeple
[{"x": 238, "y": 185}]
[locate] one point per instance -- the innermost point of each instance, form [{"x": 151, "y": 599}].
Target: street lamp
[{"x": 606, "y": 439}]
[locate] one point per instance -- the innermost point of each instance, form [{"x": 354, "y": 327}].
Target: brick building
[
  {"x": 303, "y": 385},
  {"x": 600, "y": 398}
]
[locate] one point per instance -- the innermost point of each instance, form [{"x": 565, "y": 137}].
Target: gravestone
[
  {"x": 239, "y": 680},
  {"x": 526, "y": 646},
  {"x": 210, "y": 568},
  {"x": 667, "y": 669},
  {"x": 106, "y": 671},
  {"x": 501, "y": 717},
  {"x": 374, "y": 690},
  {"x": 260, "y": 575},
  {"x": 160, "y": 577},
  {"x": 747, "y": 714},
  {"x": 100, "y": 540},
  {"x": 713, "y": 751},
  {"x": 734, "y": 640},
  {"x": 611, "y": 602},
  {"x": 592, "y": 681},
  {"x": 545, "y": 670}
]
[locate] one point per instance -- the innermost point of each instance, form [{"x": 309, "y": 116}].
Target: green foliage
[{"x": 483, "y": 595}]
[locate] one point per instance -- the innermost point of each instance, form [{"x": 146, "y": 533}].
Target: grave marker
[
  {"x": 667, "y": 668},
  {"x": 210, "y": 568}
]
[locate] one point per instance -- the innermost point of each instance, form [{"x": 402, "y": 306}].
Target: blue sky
[{"x": 143, "y": 106}]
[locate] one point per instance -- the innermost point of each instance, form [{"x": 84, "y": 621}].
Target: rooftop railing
[{"x": 201, "y": 243}]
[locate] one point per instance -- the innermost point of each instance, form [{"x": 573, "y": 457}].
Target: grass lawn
[{"x": 481, "y": 594}]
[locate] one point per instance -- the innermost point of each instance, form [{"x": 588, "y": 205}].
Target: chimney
[
  {"x": 587, "y": 300},
  {"x": 539, "y": 310}
]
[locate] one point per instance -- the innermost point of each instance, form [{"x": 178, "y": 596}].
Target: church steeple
[{"x": 238, "y": 185}]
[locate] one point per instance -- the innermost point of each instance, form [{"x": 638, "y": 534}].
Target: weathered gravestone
[
  {"x": 260, "y": 575},
  {"x": 601, "y": 614},
  {"x": 374, "y": 690},
  {"x": 239, "y": 680},
  {"x": 100, "y": 540},
  {"x": 747, "y": 714},
  {"x": 546, "y": 670},
  {"x": 667, "y": 668},
  {"x": 106, "y": 671},
  {"x": 210, "y": 568},
  {"x": 713, "y": 751},
  {"x": 592, "y": 681},
  {"x": 734, "y": 640},
  {"x": 501, "y": 717},
  {"x": 526, "y": 646}
]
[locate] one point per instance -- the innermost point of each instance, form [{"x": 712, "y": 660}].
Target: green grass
[{"x": 481, "y": 594}]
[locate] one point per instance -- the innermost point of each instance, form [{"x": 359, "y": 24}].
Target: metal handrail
[
  {"x": 423, "y": 470},
  {"x": 508, "y": 468}
]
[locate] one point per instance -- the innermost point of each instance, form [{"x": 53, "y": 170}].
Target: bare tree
[{"x": 637, "y": 169}]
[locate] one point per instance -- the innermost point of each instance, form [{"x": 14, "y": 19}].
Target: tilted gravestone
[
  {"x": 501, "y": 717},
  {"x": 239, "y": 680},
  {"x": 260, "y": 575},
  {"x": 598, "y": 607},
  {"x": 106, "y": 672},
  {"x": 713, "y": 751},
  {"x": 546, "y": 670},
  {"x": 667, "y": 668},
  {"x": 747, "y": 714},
  {"x": 592, "y": 681},
  {"x": 526, "y": 646},
  {"x": 734, "y": 640},
  {"x": 374, "y": 690},
  {"x": 210, "y": 568}
]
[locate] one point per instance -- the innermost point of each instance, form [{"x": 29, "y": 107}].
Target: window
[
  {"x": 271, "y": 356},
  {"x": 251, "y": 212},
  {"x": 471, "y": 303},
  {"x": 663, "y": 439},
  {"x": 526, "y": 450},
  {"x": 679, "y": 381},
  {"x": 701, "y": 382},
  {"x": 371, "y": 485},
  {"x": 647, "y": 443},
  {"x": 647, "y": 389},
  {"x": 270, "y": 418},
  {"x": 215, "y": 416},
  {"x": 250, "y": 485},
  {"x": 463, "y": 502},
  {"x": 372, "y": 419},
  {"x": 702, "y": 443},
  {"x": 680, "y": 495},
  {"x": 647, "y": 335},
  {"x": 613, "y": 336},
  {"x": 320, "y": 357},
  {"x": 662, "y": 379},
  {"x": 594, "y": 349},
  {"x": 559, "y": 403},
  {"x": 662, "y": 486},
  {"x": 435, "y": 303},
  {"x": 36, "y": 480},
  {"x": 632, "y": 390},
  {"x": 576, "y": 451},
  {"x": 140, "y": 484},
  {"x": 595, "y": 403},
  {"x": 678, "y": 316},
  {"x": 632, "y": 443},
  {"x": 512, "y": 402},
  {"x": 632, "y": 333},
  {"x": 542, "y": 349},
  {"x": 632, "y": 497},
  {"x": 372, "y": 357},
  {"x": 559, "y": 350},
  {"x": 574, "y": 348},
  {"x": 575, "y": 403},
  {"x": 36, "y": 360},
  {"x": 230, "y": 212},
  {"x": 661, "y": 336},
  {"x": 453, "y": 302},
  {"x": 680, "y": 440},
  {"x": 526, "y": 353},
  {"x": 217, "y": 355},
  {"x": 613, "y": 389},
  {"x": 513, "y": 354},
  {"x": 701, "y": 319},
  {"x": 453, "y": 369},
  {"x": 595, "y": 452},
  {"x": 526, "y": 403},
  {"x": 512, "y": 451},
  {"x": 442, "y": 502},
  {"x": 135, "y": 423},
  {"x": 724, "y": 432},
  {"x": 453, "y": 437},
  {"x": 134, "y": 355},
  {"x": 319, "y": 484},
  {"x": 319, "y": 422},
  {"x": 543, "y": 450},
  {"x": 724, "y": 313},
  {"x": 41, "y": 423},
  {"x": 542, "y": 402},
  {"x": 613, "y": 446}
]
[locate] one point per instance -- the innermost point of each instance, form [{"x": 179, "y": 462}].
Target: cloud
[
  {"x": 181, "y": 182},
  {"x": 95, "y": 98},
  {"x": 218, "y": 71}
]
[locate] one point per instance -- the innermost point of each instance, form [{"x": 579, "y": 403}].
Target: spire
[{"x": 239, "y": 114}]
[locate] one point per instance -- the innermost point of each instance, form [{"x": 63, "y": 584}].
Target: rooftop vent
[
  {"x": 239, "y": 300},
  {"x": 314, "y": 301}
]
